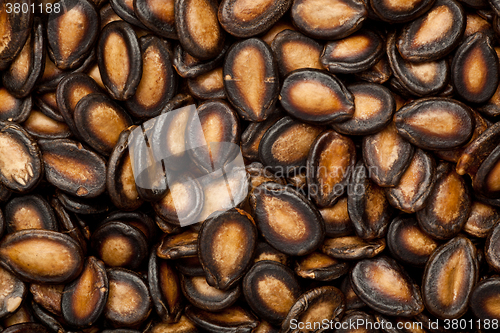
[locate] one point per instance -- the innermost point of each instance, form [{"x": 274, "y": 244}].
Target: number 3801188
[{"x": 24, "y": 8}]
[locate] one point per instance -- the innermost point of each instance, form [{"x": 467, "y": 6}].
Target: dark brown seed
[
  {"x": 42, "y": 256},
  {"x": 188, "y": 66},
  {"x": 14, "y": 109},
  {"x": 83, "y": 206},
  {"x": 99, "y": 120},
  {"x": 286, "y": 219},
  {"x": 425, "y": 78},
  {"x": 367, "y": 205},
  {"x": 318, "y": 266},
  {"x": 481, "y": 220},
  {"x": 72, "y": 168},
  {"x": 353, "y": 54},
  {"x": 120, "y": 182},
  {"x": 165, "y": 288},
  {"x": 158, "y": 81},
  {"x": 226, "y": 245},
  {"x": 337, "y": 220},
  {"x": 486, "y": 181},
  {"x": 319, "y": 304},
  {"x": 476, "y": 23},
  {"x": 475, "y": 69},
  {"x": 408, "y": 243},
  {"x": 125, "y": 10},
  {"x": 328, "y": 20},
  {"x": 399, "y": 11},
  {"x": 119, "y": 59},
  {"x": 15, "y": 27},
  {"x": 20, "y": 158},
  {"x": 352, "y": 247},
  {"x": 231, "y": 320},
  {"x": 294, "y": 51},
  {"x": 330, "y": 163},
  {"x": 43, "y": 127},
  {"x": 72, "y": 33},
  {"x": 250, "y": 18},
  {"x": 385, "y": 287},
  {"x": 136, "y": 219},
  {"x": 435, "y": 123},
  {"x": 449, "y": 277},
  {"x": 22, "y": 315},
  {"x": 251, "y": 79},
  {"x": 388, "y": 155},
  {"x": 29, "y": 212},
  {"x": 190, "y": 266},
  {"x": 433, "y": 35},
  {"x": 352, "y": 301},
  {"x": 328, "y": 100},
  {"x": 27, "y": 328},
  {"x": 484, "y": 299},
  {"x": 447, "y": 207},
  {"x": 13, "y": 293},
  {"x": 184, "y": 325},
  {"x": 119, "y": 245},
  {"x": 203, "y": 296},
  {"x": 209, "y": 85},
  {"x": 264, "y": 251},
  {"x": 271, "y": 290},
  {"x": 415, "y": 185},
  {"x": 178, "y": 246},
  {"x": 492, "y": 248},
  {"x": 198, "y": 28},
  {"x": 47, "y": 319},
  {"x": 129, "y": 301},
  {"x": 84, "y": 299},
  {"x": 378, "y": 73},
  {"x": 283, "y": 24},
  {"x": 157, "y": 16},
  {"x": 364, "y": 323},
  {"x": 252, "y": 136},
  {"x": 27, "y": 67},
  {"x": 259, "y": 174},
  {"x": 48, "y": 296}
]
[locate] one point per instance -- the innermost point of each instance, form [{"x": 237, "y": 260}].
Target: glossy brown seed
[
  {"x": 73, "y": 168},
  {"x": 119, "y": 245},
  {"x": 72, "y": 33},
  {"x": 433, "y": 35},
  {"x": 318, "y": 266},
  {"x": 352, "y": 247},
  {"x": 20, "y": 158},
  {"x": 294, "y": 51},
  {"x": 48, "y": 296},
  {"x": 27, "y": 67},
  {"x": 99, "y": 120},
  {"x": 385, "y": 287},
  {"x": 119, "y": 59},
  {"x": 129, "y": 301},
  {"x": 15, "y": 30},
  {"x": 447, "y": 206},
  {"x": 69, "y": 92},
  {"x": 177, "y": 246},
  {"x": 157, "y": 16},
  {"x": 42, "y": 256},
  {"x": 227, "y": 243},
  {"x": 188, "y": 66},
  {"x": 249, "y": 18},
  {"x": 322, "y": 303},
  {"x": 388, "y": 155},
  {"x": 203, "y": 296},
  {"x": 84, "y": 299},
  {"x": 165, "y": 288},
  {"x": 415, "y": 185},
  {"x": 366, "y": 321},
  {"x": 491, "y": 248},
  {"x": 353, "y": 54},
  {"x": 13, "y": 293},
  {"x": 209, "y": 85},
  {"x": 286, "y": 219},
  {"x": 378, "y": 73},
  {"x": 475, "y": 69},
  {"x": 337, "y": 220},
  {"x": 198, "y": 28},
  {"x": 233, "y": 319},
  {"x": 408, "y": 243},
  {"x": 184, "y": 325},
  {"x": 328, "y": 100},
  {"x": 425, "y": 78},
  {"x": 449, "y": 277},
  {"x": 120, "y": 182},
  {"x": 399, "y": 11},
  {"x": 484, "y": 299},
  {"x": 158, "y": 82},
  {"x": 252, "y": 136},
  {"x": 190, "y": 266},
  {"x": 367, "y": 205},
  {"x": 29, "y": 212},
  {"x": 352, "y": 301},
  {"x": 282, "y": 24},
  {"x": 125, "y": 10},
  {"x": 46, "y": 318},
  {"x": 27, "y": 328},
  {"x": 83, "y": 206},
  {"x": 271, "y": 290},
  {"x": 435, "y": 123},
  {"x": 481, "y": 220},
  {"x": 330, "y": 163},
  {"x": 328, "y": 20},
  {"x": 486, "y": 180},
  {"x": 264, "y": 251},
  {"x": 42, "y": 127},
  {"x": 251, "y": 79},
  {"x": 14, "y": 109}
]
